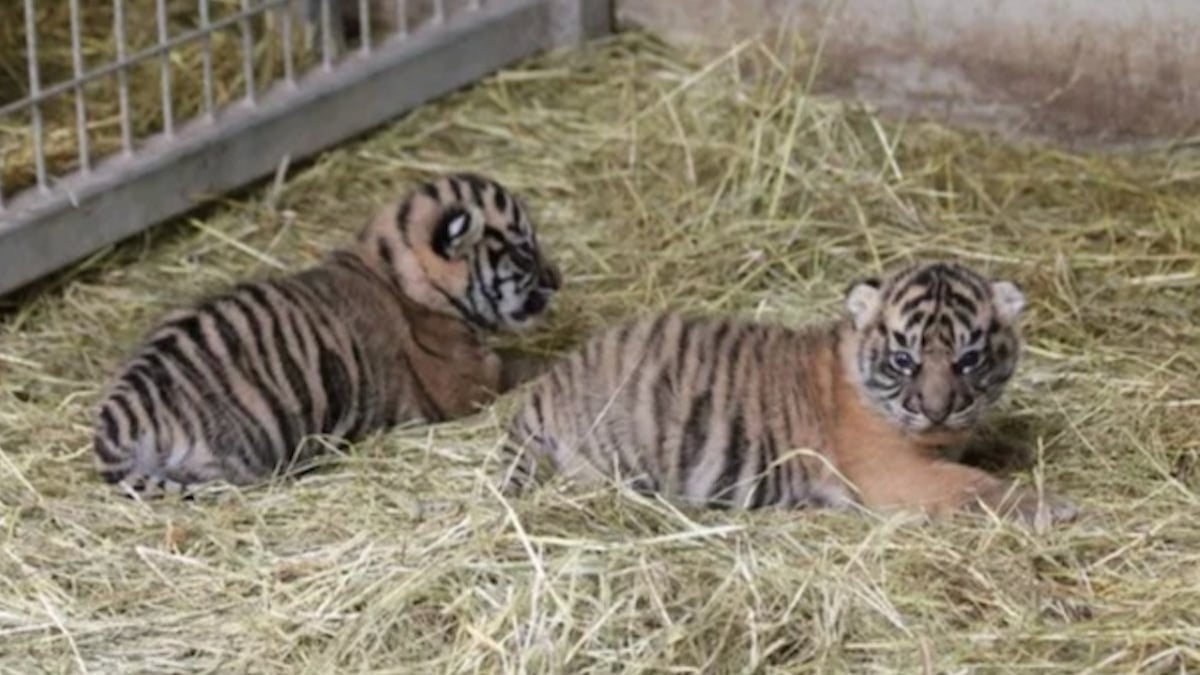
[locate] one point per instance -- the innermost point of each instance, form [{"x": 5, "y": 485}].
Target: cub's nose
[
  {"x": 550, "y": 277},
  {"x": 935, "y": 410},
  {"x": 535, "y": 303}
]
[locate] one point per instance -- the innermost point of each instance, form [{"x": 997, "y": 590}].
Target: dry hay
[{"x": 658, "y": 183}]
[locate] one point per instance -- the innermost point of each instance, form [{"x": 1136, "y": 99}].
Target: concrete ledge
[{"x": 1081, "y": 72}]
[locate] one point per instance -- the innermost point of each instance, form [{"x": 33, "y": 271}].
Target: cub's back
[
  {"x": 228, "y": 386},
  {"x": 699, "y": 408}
]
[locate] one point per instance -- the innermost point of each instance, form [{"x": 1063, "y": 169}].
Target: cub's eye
[
  {"x": 903, "y": 362},
  {"x": 968, "y": 361}
]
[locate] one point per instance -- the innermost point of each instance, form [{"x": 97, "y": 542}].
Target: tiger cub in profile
[
  {"x": 736, "y": 414},
  {"x": 387, "y": 330}
]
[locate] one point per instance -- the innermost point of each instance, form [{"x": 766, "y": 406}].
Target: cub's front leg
[
  {"x": 458, "y": 384},
  {"x": 905, "y": 480},
  {"x": 517, "y": 367}
]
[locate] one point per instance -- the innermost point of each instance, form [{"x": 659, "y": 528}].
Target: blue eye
[
  {"x": 968, "y": 361},
  {"x": 903, "y": 362}
]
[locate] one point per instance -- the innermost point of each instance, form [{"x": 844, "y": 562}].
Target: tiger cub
[
  {"x": 729, "y": 413},
  {"x": 386, "y": 330}
]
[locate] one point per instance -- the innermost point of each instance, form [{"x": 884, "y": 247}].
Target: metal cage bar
[
  {"x": 222, "y": 147},
  {"x": 35, "y": 90},
  {"x": 247, "y": 51},
  {"x": 81, "y": 132},
  {"x": 168, "y": 107},
  {"x": 122, "y": 77}
]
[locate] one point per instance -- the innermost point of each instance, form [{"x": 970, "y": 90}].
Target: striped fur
[
  {"x": 729, "y": 413},
  {"x": 387, "y": 330}
]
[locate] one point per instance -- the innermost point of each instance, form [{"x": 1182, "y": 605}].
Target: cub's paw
[
  {"x": 1045, "y": 510},
  {"x": 1027, "y": 506}
]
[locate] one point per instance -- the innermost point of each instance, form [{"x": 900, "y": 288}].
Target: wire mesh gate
[{"x": 127, "y": 112}]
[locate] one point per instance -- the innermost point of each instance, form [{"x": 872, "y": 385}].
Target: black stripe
[
  {"x": 467, "y": 312},
  {"x": 429, "y": 349},
  {"x": 140, "y": 381},
  {"x": 336, "y": 381},
  {"x": 154, "y": 368},
  {"x": 685, "y": 339},
  {"x": 962, "y": 302},
  {"x": 402, "y": 214},
  {"x": 477, "y": 184},
  {"x": 110, "y": 424},
  {"x": 362, "y": 414},
  {"x": 430, "y": 188},
  {"x": 188, "y": 325},
  {"x": 518, "y": 215},
  {"x": 663, "y": 416},
  {"x": 135, "y": 427},
  {"x": 500, "y": 197},
  {"x": 385, "y": 252},
  {"x": 290, "y": 428},
  {"x": 164, "y": 385},
  {"x": 725, "y": 487},
  {"x": 133, "y": 377},
  {"x": 622, "y": 340},
  {"x": 228, "y": 336},
  {"x": 695, "y": 429},
  {"x": 733, "y": 355},
  {"x": 256, "y": 329},
  {"x": 955, "y": 273},
  {"x": 490, "y": 291},
  {"x": 654, "y": 337},
  {"x": 913, "y": 304},
  {"x": 108, "y": 455},
  {"x": 168, "y": 345},
  {"x": 768, "y": 483},
  {"x": 535, "y": 406},
  {"x": 428, "y": 405},
  {"x": 280, "y": 325},
  {"x": 700, "y": 411}
]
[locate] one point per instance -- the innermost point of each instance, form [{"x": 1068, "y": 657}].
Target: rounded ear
[
  {"x": 456, "y": 233},
  {"x": 862, "y": 301},
  {"x": 1008, "y": 300}
]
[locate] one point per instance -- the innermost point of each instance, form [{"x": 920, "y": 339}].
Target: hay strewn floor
[{"x": 658, "y": 184}]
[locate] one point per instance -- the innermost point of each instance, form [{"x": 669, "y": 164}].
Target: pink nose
[{"x": 936, "y": 409}]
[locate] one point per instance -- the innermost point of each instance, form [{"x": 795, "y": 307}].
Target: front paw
[{"x": 1029, "y": 507}]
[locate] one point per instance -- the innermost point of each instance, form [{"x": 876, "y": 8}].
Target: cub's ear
[
  {"x": 862, "y": 301},
  {"x": 1008, "y": 300},
  {"x": 456, "y": 233}
]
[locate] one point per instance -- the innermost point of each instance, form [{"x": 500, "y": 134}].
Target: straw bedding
[{"x": 658, "y": 182}]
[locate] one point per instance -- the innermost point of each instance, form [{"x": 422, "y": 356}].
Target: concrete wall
[{"x": 1083, "y": 72}]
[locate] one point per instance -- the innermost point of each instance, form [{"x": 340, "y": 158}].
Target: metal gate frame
[{"x": 45, "y": 228}]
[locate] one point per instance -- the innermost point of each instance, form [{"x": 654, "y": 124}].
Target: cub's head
[
  {"x": 937, "y": 343},
  {"x": 463, "y": 245}
]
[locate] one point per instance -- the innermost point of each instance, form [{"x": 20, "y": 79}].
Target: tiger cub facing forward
[
  {"x": 387, "y": 330},
  {"x": 737, "y": 414}
]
